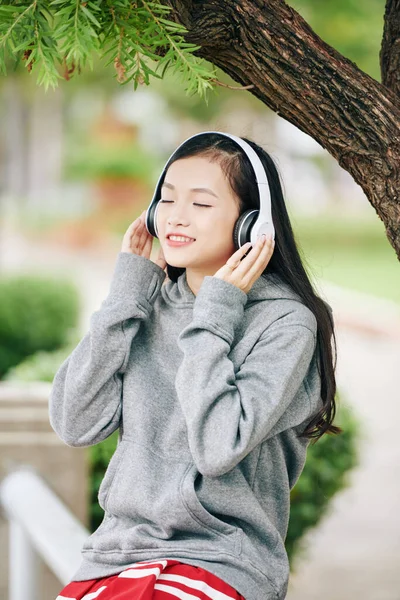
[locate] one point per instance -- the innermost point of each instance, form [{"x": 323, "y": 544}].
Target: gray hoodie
[{"x": 209, "y": 393}]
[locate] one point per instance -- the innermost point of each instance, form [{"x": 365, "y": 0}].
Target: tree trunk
[
  {"x": 390, "y": 51},
  {"x": 295, "y": 73}
]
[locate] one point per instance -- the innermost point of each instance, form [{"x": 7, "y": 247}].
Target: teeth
[{"x": 179, "y": 238}]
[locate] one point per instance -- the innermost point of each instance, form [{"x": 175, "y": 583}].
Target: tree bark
[
  {"x": 390, "y": 51},
  {"x": 310, "y": 84}
]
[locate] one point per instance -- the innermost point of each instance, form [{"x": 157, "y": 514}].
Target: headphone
[{"x": 252, "y": 223}]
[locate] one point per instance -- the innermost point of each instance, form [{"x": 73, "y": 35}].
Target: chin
[
  {"x": 175, "y": 261},
  {"x": 178, "y": 265}
]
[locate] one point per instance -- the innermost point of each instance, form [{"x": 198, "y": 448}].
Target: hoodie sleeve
[
  {"x": 228, "y": 414},
  {"x": 85, "y": 398}
]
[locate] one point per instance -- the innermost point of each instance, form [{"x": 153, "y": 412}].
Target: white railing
[{"x": 39, "y": 524}]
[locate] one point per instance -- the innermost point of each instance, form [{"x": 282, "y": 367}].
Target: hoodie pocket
[
  {"x": 194, "y": 507},
  {"x": 151, "y": 499}
]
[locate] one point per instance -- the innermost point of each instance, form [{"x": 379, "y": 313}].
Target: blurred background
[{"x": 77, "y": 166}]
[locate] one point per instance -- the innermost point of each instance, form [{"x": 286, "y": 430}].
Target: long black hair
[{"x": 285, "y": 261}]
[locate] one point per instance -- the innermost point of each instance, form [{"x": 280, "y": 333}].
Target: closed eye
[{"x": 195, "y": 203}]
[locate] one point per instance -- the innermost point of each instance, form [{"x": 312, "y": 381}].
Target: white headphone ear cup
[{"x": 236, "y": 231}]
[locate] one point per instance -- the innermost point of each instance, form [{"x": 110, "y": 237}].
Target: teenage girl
[{"x": 215, "y": 364}]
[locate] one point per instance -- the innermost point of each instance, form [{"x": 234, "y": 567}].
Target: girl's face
[{"x": 198, "y": 202}]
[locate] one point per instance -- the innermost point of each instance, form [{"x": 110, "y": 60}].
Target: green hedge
[
  {"x": 43, "y": 365},
  {"x": 325, "y": 473},
  {"x": 100, "y": 456},
  {"x": 36, "y": 313}
]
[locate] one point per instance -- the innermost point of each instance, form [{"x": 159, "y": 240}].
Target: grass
[{"x": 352, "y": 251}]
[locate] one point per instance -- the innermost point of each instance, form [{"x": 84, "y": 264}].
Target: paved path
[{"x": 354, "y": 554}]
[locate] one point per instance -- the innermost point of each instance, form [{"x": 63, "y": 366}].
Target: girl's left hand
[{"x": 243, "y": 273}]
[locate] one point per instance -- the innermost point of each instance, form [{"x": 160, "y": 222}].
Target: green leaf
[{"x": 90, "y": 16}]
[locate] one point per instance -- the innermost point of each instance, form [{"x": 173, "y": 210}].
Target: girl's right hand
[{"x": 137, "y": 240}]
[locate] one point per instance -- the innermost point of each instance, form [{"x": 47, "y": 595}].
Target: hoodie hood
[{"x": 266, "y": 287}]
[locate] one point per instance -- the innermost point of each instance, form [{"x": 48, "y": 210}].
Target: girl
[{"x": 216, "y": 366}]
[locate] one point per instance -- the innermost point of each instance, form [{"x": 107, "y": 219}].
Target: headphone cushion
[
  {"x": 152, "y": 219},
  {"x": 242, "y": 228}
]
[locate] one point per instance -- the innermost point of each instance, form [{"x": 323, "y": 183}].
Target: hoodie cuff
[
  {"x": 135, "y": 277},
  {"x": 219, "y": 307}
]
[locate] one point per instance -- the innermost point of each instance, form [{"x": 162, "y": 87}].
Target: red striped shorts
[{"x": 162, "y": 579}]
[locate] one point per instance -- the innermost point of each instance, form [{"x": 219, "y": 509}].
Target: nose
[{"x": 176, "y": 215}]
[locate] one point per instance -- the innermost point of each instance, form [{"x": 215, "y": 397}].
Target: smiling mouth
[{"x": 180, "y": 238}]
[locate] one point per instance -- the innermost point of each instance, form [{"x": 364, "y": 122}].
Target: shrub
[
  {"x": 100, "y": 456},
  {"x": 43, "y": 365},
  {"x": 325, "y": 473},
  {"x": 36, "y": 313}
]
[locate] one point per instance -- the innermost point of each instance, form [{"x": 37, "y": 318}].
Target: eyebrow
[{"x": 203, "y": 190}]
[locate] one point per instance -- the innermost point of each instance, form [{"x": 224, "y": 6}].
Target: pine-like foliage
[{"x": 56, "y": 38}]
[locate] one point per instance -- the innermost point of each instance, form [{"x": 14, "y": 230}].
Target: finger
[
  {"x": 127, "y": 239},
  {"x": 245, "y": 264},
  {"x": 131, "y": 228},
  {"x": 142, "y": 217},
  {"x": 134, "y": 223},
  {"x": 148, "y": 246},
  {"x": 236, "y": 256},
  {"x": 262, "y": 259},
  {"x": 135, "y": 238},
  {"x": 142, "y": 235}
]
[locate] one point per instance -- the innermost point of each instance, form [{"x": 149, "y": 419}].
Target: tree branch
[{"x": 295, "y": 73}]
